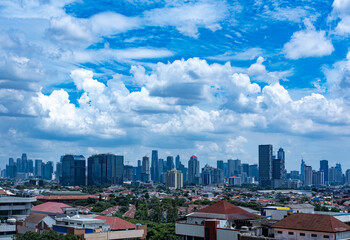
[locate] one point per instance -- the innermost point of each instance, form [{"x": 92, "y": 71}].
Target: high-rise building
[
  {"x": 265, "y": 165},
  {"x": 302, "y": 170},
  {"x": 38, "y": 168},
  {"x": 128, "y": 173},
  {"x": 193, "y": 171},
  {"x": 230, "y": 168},
  {"x": 174, "y": 179},
  {"x": 155, "y": 174},
  {"x": 307, "y": 175},
  {"x": 278, "y": 169},
  {"x": 138, "y": 170},
  {"x": 145, "y": 174},
  {"x": 105, "y": 169},
  {"x": 161, "y": 170},
  {"x": 73, "y": 170},
  {"x": 254, "y": 171},
  {"x": 347, "y": 176},
  {"x": 212, "y": 175},
  {"x": 294, "y": 175},
  {"x": 237, "y": 165},
  {"x": 170, "y": 163},
  {"x": 30, "y": 166},
  {"x": 220, "y": 164},
  {"x": 58, "y": 172},
  {"x": 48, "y": 170},
  {"x": 324, "y": 167},
  {"x": 177, "y": 162}
]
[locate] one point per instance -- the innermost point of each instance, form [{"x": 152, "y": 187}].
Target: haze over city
[{"x": 210, "y": 78}]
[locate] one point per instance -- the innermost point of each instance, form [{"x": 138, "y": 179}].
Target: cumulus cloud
[
  {"x": 308, "y": 43},
  {"x": 340, "y": 11}
]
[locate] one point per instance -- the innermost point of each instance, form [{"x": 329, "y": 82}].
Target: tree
[{"x": 51, "y": 235}]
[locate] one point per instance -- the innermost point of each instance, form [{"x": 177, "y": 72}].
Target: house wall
[{"x": 297, "y": 235}]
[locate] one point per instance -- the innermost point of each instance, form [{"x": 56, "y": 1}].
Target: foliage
[{"x": 51, "y": 235}]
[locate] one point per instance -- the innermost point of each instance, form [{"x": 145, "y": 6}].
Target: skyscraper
[
  {"x": 220, "y": 164},
  {"x": 30, "y": 166},
  {"x": 193, "y": 171},
  {"x": 237, "y": 164},
  {"x": 177, "y": 162},
  {"x": 48, "y": 170},
  {"x": 145, "y": 174},
  {"x": 170, "y": 162},
  {"x": 73, "y": 170},
  {"x": 254, "y": 171},
  {"x": 38, "y": 168},
  {"x": 230, "y": 168},
  {"x": 58, "y": 172},
  {"x": 174, "y": 179},
  {"x": 155, "y": 166},
  {"x": 212, "y": 175},
  {"x": 105, "y": 169},
  {"x": 307, "y": 175},
  {"x": 324, "y": 167},
  {"x": 265, "y": 165},
  {"x": 278, "y": 169},
  {"x": 302, "y": 170}
]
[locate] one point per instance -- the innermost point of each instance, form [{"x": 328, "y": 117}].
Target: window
[
  {"x": 325, "y": 236},
  {"x": 302, "y": 234},
  {"x": 290, "y": 233},
  {"x": 313, "y": 235},
  {"x": 279, "y": 232}
]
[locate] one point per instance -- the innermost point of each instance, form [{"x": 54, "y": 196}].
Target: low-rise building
[{"x": 310, "y": 226}]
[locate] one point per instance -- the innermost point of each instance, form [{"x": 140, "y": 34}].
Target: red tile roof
[
  {"x": 67, "y": 198},
  {"x": 52, "y": 207},
  {"x": 117, "y": 223},
  {"x": 35, "y": 217},
  {"x": 223, "y": 210},
  {"x": 131, "y": 212},
  {"x": 312, "y": 222}
]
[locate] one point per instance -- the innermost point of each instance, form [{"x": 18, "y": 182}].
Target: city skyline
[{"x": 210, "y": 78}]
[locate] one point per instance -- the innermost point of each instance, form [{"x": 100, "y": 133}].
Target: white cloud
[
  {"x": 248, "y": 54},
  {"x": 308, "y": 43},
  {"x": 187, "y": 18}
]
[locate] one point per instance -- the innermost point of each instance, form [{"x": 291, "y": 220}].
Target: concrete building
[
  {"x": 18, "y": 207},
  {"x": 193, "y": 171},
  {"x": 174, "y": 179},
  {"x": 234, "y": 181},
  {"x": 73, "y": 170}
]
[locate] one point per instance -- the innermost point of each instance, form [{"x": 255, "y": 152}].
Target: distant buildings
[
  {"x": 174, "y": 179},
  {"x": 105, "y": 169},
  {"x": 73, "y": 170},
  {"x": 145, "y": 174},
  {"x": 265, "y": 165},
  {"x": 193, "y": 171}
]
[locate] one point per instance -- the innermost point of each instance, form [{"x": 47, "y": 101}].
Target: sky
[{"x": 204, "y": 77}]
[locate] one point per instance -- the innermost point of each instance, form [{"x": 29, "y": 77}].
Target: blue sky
[{"x": 211, "y": 78}]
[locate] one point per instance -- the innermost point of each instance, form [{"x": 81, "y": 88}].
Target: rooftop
[
  {"x": 117, "y": 223},
  {"x": 51, "y": 207},
  {"x": 312, "y": 222}
]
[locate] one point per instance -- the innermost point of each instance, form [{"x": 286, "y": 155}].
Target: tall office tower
[
  {"x": 177, "y": 162},
  {"x": 307, "y": 175},
  {"x": 19, "y": 165},
  {"x": 237, "y": 164},
  {"x": 265, "y": 165},
  {"x": 302, "y": 170},
  {"x": 138, "y": 170},
  {"x": 278, "y": 172},
  {"x": 11, "y": 162},
  {"x": 145, "y": 174},
  {"x": 338, "y": 174},
  {"x": 220, "y": 164},
  {"x": 155, "y": 166},
  {"x": 324, "y": 167},
  {"x": 245, "y": 168},
  {"x": 161, "y": 170},
  {"x": 183, "y": 169},
  {"x": 170, "y": 163},
  {"x": 254, "y": 171},
  {"x": 320, "y": 178},
  {"x": 48, "y": 170},
  {"x": 38, "y": 168},
  {"x": 30, "y": 166},
  {"x": 282, "y": 156},
  {"x": 230, "y": 168},
  {"x": 24, "y": 163},
  {"x": 174, "y": 179},
  {"x": 226, "y": 170},
  {"x": 73, "y": 170},
  {"x": 58, "y": 172},
  {"x": 128, "y": 173},
  {"x": 105, "y": 169},
  {"x": 193, "y": 170}
]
